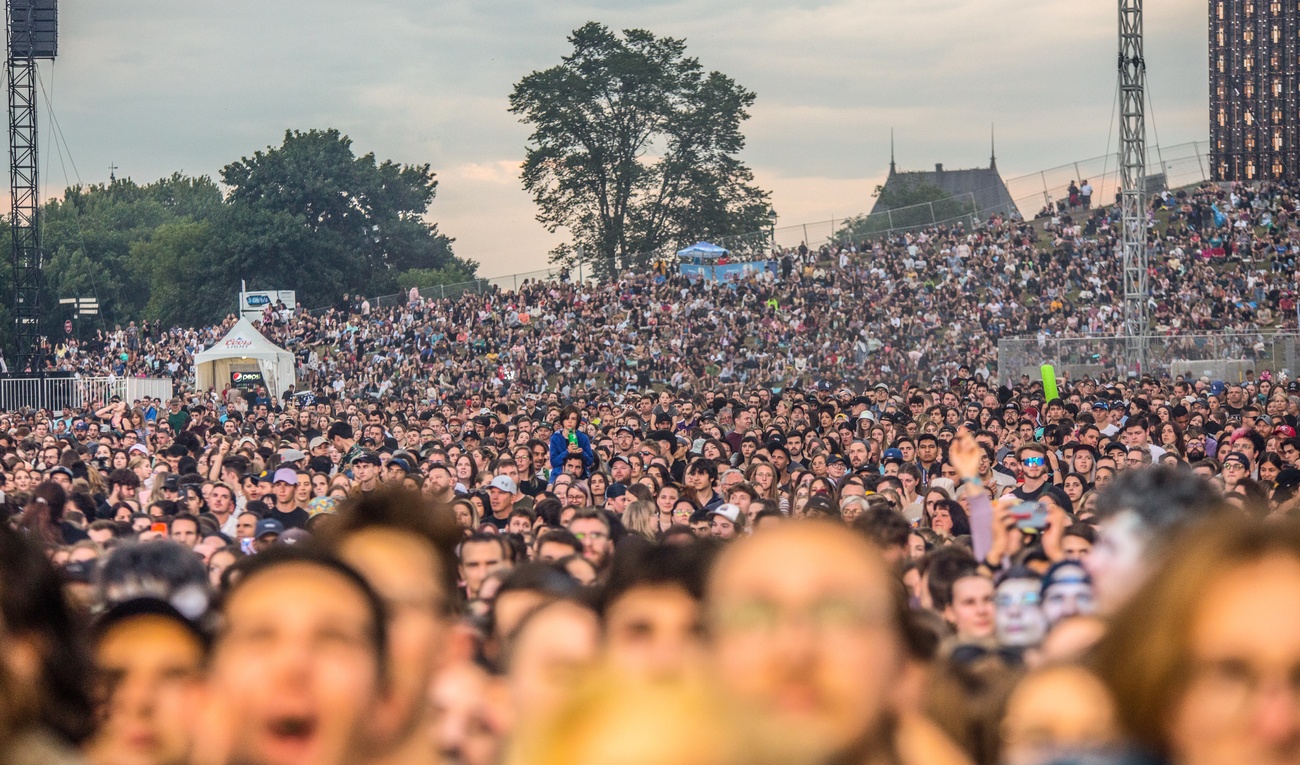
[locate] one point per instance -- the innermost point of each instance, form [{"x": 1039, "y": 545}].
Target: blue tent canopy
[{"x": 702, "y": 251}]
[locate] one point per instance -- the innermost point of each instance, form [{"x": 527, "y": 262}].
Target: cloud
[{"x": 156, "y": 86}]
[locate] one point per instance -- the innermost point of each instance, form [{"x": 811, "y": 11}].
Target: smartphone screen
[{"x": 1030, "y": 516}]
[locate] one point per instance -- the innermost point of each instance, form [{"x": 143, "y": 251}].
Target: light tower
[
  {"x": 1132, "y": 178},
  {"x": 32, "y": 27}
]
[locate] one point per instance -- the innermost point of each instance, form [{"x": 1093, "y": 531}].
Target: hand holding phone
[{"x": 1030, "y": 516}]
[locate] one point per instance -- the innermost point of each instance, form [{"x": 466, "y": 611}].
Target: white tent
[{"x": 244, "y": 349}]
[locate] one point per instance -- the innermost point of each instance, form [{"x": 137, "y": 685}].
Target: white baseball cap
[{"x": 729, "y": 511}]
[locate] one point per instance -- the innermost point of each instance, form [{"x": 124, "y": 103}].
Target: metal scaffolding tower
[
  {"x": 23, "y": 185},
  {"x": 1132, "y": 173},
  {"x": 32, "y": 33}
]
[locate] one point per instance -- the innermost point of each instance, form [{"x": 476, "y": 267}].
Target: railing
[
  {"x": 1226, "y": 356},
  {"x": 77, "y": 392}
]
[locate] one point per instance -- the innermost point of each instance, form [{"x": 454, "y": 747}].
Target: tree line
[{"x": 308, "y": 215}]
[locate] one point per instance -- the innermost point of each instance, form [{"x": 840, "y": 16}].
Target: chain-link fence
[
  {"x": 1220, "y": 356},
  {"x": 1169, "y": 167}
]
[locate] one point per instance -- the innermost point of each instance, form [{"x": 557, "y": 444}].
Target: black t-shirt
[
  {"x": 1047, "y": 488},
  {"x": 532, "y": 487},
  {"x": 500, "y": 523},
  {"x": 294, "y": 519},
  {"x": 72, "y": 534}
]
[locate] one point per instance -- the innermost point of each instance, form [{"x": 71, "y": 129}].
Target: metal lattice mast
[
  {"x": 23, "y": 183},
  {"x": 1132, "y": 173}
]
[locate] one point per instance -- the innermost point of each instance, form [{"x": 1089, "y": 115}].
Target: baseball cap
[
  {"x": 399, "y": 463},
  {"x": 80, "y": 571},
  {"x": 881, "y": 386},
  {"x": 615, "y": 491},
  {"x": 893, "y": 454},
  {"x": 292, "y": 455},
  {"x": 286, "y": 475},
  {"x": 61, "y": 470},
  {"x": 370, "y": 458},
  {"x": 317, "y": 441},
  {"x": 1288, "y": 478},
  {"x": 1238, "y": 458},
  {"x": 727, "y": 510},
  {"x": 294, "y": 536},
  {"x": 619, "y": 458},
  {"x": 1065, "y": 572},
  {"x": 268, "y": 526},
  {"x": 503, "y": 483},
  {"x": 147, "y": 606}
]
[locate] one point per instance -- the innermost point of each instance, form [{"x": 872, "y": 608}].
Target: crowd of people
[
  {"x": 956, "y": 573},
  {"x": 477, "y": 534},
  {"x": 907, "y": 307}
]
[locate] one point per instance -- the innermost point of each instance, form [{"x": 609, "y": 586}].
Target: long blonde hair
[{"x": 639, "y": 518}]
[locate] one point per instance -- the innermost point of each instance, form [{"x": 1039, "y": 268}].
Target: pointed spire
[
  {"x": 993, "y": 149},
  {"x": 891, "y": 151}
]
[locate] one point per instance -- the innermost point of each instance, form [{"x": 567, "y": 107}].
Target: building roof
[
  {"x": 991, "y": 195},
  {"x": 985, "y": 183}
]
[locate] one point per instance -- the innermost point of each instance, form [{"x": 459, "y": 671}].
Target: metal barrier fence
[
  {"x": 77, "y": 392},
  {"x": 1220, "y": 356}
]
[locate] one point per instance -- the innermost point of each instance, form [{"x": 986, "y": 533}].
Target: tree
[
  {"x": 360, "y": 223},
  {"x": 907, "y": 202},
  {"x": 634, "y": 148},
  {"x": 308, "y": 215},
  {"x": 90, "y": 233}
]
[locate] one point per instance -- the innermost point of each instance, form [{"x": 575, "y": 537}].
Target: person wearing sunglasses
[{"x": 1033, "y": 465}]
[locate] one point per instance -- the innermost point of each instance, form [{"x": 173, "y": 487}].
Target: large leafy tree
[
  {"x": 357, "y": 223},
  {"x": 634, "y": 148},
  {"x": 92, "y": 233},
  {"x": 307, "y": 215}
]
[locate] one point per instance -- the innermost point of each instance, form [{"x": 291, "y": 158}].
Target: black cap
[
  {"x": 148, "y": 606},
  {"x": 367, "y": 457}
]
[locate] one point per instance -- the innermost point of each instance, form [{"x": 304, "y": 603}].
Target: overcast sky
[{"x": 156, "y": 86}]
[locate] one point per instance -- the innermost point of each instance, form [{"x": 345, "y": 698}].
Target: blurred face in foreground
[
  {"x": 653, "y": 631},
  {"x": 149, "y": 668},
  {"x": 552, "y": 649},
  {"x": 401, "y": 568},
  {"x": 1242, "y": 703},
  {"x": 1054, "y": 711},
  {"x": 1119, "y": 562},
  {"x": 803, "y": 637},
  {"x": 295, "y": 671}
]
